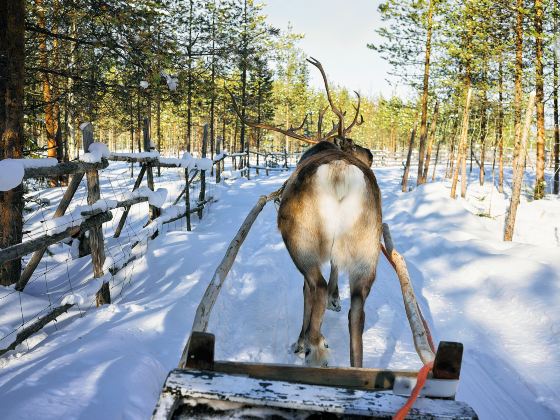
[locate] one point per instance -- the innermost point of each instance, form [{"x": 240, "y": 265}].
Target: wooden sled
[{"x": 206, "y": 388}]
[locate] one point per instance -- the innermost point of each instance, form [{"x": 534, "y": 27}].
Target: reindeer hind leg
[
  {"x": 333, "y": 303},
  {"x": 316, "y": 348},
  {"x": 360, "y": 285},
  {"x": 299, "y": 346}
]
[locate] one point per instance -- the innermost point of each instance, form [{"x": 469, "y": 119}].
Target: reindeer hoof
[
  {"x": 297, "y": 348},
  {"x": 317, "y": 355},
  {"x": 334, "y": 304}
]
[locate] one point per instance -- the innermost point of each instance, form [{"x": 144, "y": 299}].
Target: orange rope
[{"x": 420, "y": 382}]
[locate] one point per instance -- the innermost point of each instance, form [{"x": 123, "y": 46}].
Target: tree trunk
[
  {"x": 452, "y": 147},
  {"x": 518, "y": 173},
  {"x": 500, "y": 124},
  {"x": 409, "y": 155},
  {"x": 244, "y": 63},
  {"x": 51, "y": 119},
  {"x": 421, "y": 179},
  {"x": 158, "y": 126},
  {"x": 555, "y": 94},
  {"x": 518, "y": 79},
  {"x": 189, "y": 79},
  {"x": 539, "y": 82},
  {"x": 213, "y": 84},
  {"x": 462, "y": 150},
  {"x": 430, "y": 142},
  {"x": 138, "y": 123},
  {"x": 12, "y": 76},
  {"x": 436, "y": 162},
  {"x": 483, "y": 135}
]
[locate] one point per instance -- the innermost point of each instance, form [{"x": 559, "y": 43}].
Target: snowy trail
[{"x": 500, "y": 300}]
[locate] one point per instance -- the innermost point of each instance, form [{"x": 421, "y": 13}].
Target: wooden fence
[{"x": 85, "y": 223}]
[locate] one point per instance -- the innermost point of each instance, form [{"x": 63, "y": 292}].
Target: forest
[
  {"x": 201, "y": 100},
  {"x": 114, "y": 64}
]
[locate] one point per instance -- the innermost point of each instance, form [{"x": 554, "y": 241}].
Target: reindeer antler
[
  {"x": 320, "y": 122},
  {"x": 336, "y": 110},
  {"x": 291, "y": 132},
  {"x": 337, "y": 129},
  {"x": 355, "y": 121}
]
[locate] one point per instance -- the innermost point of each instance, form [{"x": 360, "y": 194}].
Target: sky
[{"x": 337, "y": 33}]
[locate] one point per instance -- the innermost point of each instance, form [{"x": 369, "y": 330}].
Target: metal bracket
[
  {"x": 447, "y": 364},
  {"x": 200, "y": 351}
]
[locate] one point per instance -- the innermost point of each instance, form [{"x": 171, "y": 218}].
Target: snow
[
  {"x": 11, "y": 174},
  {"x": 99, "y": 149},
  {"x": 84, "y": 125},
  {"x": 90, "y": 158},
  {"x": 144, "y": 84},
  {"x": 72, "y": 299},
  {"x": 75, "y": 217},
  {"x": 38, "y": 163},
  {"x": 96, "y": 152},
  {"x": 171, "y": 80},
  {"x": 204, "y": 164},
  {"x": 60, "y": 224},
  {"x": 187, "y": 163},
  {"x": 499, "y": 299},
  {"x": 12, "y": 171},
  {"x": 148, "y": 155},
  {"x": 157, "y": 198}
]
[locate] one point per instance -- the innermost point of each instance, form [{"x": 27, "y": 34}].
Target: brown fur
[{"x": 303, "y": 232}]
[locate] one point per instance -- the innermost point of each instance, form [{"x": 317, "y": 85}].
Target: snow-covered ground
[{"x": 499, "y": 299}]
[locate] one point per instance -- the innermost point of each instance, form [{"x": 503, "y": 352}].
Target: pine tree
[{"x": 12, "y": 57}]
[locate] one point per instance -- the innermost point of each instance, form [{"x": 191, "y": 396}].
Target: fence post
[
  {"x": 154, "y": 211},
  {"x": 266, "y": 163},
  {"x": 248, "y": 165},
  {"x": 94, "y": 194},
  {"x": 201, "y": 196},
  {"x": 188, "y": 198},
  {"x": 219, "y": 163}
]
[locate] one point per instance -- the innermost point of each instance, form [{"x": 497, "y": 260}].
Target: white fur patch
[{"x": 340, "y": 190}]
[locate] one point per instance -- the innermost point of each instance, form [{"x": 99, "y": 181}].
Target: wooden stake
[
  {"x": 94, "y": 194},
  {"x": 421, "y": 337},
  {"x": 36, "y": 326},
  {"x": 154, "y": 211},
  {"x": 188, "y": 199},
  {"x": 103, "y": 295},
  {"x": 122, "y": 221}
]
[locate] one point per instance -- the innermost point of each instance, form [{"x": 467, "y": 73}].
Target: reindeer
[{"x": 330, "y": 211}]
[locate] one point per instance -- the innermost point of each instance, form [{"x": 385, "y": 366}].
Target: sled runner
[{"x": 206, "y": 388}]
